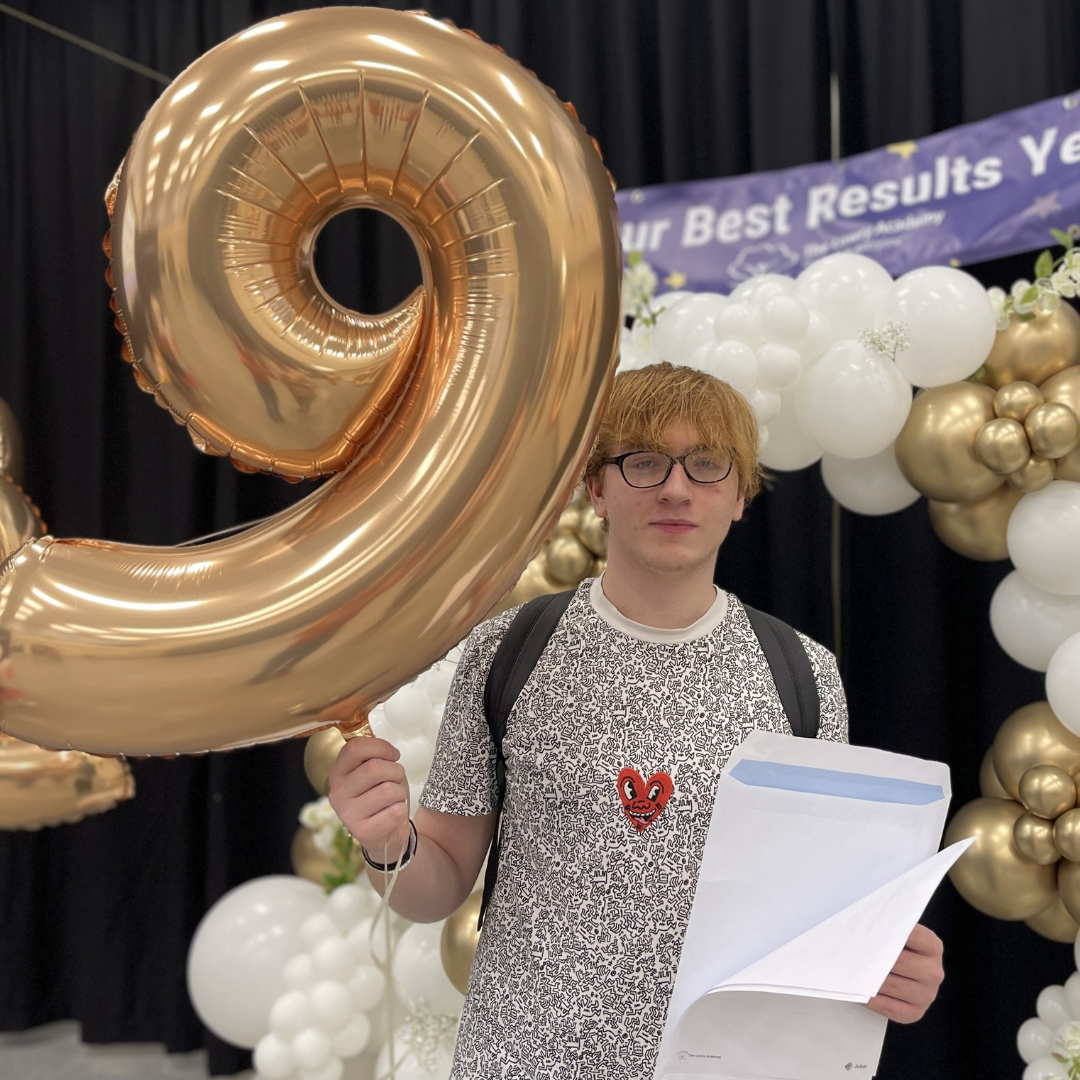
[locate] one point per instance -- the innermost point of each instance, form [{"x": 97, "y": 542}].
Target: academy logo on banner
[{"x": 971, "y": 193}]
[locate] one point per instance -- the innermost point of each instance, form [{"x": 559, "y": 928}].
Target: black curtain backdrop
[{"x": 95, "y": 918}]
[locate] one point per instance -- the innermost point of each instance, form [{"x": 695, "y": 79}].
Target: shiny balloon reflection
[{"x": 464, "y": 415}]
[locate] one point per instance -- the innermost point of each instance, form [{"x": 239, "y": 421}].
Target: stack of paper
[{"x": 819, "y": 861}]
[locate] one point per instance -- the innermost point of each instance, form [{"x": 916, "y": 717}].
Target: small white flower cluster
[
  {"x": 319, "y": 817},
  {"x": 888, "y": 341},
  {"x": 639, "y": 285},
  {"x": 1054, "y": 280}
]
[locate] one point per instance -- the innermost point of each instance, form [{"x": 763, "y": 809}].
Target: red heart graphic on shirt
[{"x": 643, "y": 800}]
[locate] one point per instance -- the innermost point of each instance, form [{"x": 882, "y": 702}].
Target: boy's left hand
[{"x": 913, "y": 983}]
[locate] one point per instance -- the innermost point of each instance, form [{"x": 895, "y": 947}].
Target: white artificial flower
[
  {"x": 639, "y": 285},
  {"x": 319, "y": 817},
  {"x": 1063, "y": 283}
]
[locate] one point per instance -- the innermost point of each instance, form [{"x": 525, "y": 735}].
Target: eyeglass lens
[{"x": 647, "y": 469}]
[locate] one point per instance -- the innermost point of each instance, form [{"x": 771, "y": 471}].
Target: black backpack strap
[
  {"x": 515, "y": 658},
  {"x": 791, "y": 671}
]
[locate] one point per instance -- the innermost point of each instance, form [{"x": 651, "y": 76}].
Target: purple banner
[{"x": 971, "y": 193}]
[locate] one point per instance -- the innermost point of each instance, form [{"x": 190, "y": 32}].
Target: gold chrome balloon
[
  {"x": 991, "y": 875},
  {"x": 1065, "y": 388},
  {"x": 467, "y": 412},
  {"x": 460, "y": 939},
  {"x": 1033, "y": 475},
  {"x": 1052, "y": 429},
  {"x": 1032, "y": 736},
  {"x": 307, "y": 860},
  {"x": 989, "y": 784},
  {"x": 1034, "y": 839},
  {"x": 1067, "y": 835},
  {"x": 1047, "y": 790},
  {"x": 20, "y": 519},
  {"x": 46, "y": 787},
  {"x": 977, "y": 529},
  {"x": 1015, "y": 400},
  {"x": 11, "y": 444},
  {"x": 1002, "y": 445},
  {"x": 320, "y": 753},
  {"x": 1031, "y": 350},
  {"x": 1069, "y": 887},
  {"x": 1055, "y": 923},
  {"x": 936, "y": 447},
  {"x": 568, "y": 560}
]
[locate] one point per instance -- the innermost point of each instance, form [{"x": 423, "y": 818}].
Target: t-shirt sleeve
[
  {"x": 834, "y": 716},
  {"x": 462, "y": 776}
]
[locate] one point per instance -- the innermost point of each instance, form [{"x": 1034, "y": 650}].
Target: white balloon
[
  {"x": 1072, "y": 995},
  {"x": 436, "y": 681},
  {"x": 317, "y": 927},
  {"x": 367, "y": 987},
  {"x": 1030, "y": 623},
  {"x": 408, "y": 1067},
  {"x": 871, "y": 485},
  {"x": 632, "y": 357},
  {"x": 311, "y": 1048},
  {"x": 786, "y": 319},
  {"x": 360, "y": 938},
  {"x": 732, "y": 361},
  {"x": 852, "y": 403},
  {"x": 948, "y": 320},
  {"x": 418, "y": 970},
  {"x": 685, "y": 326},
  {"x": 300, "y": 973},
  {"x": 1051, "y": 1007},
  {"x": 778, "y": 365},
  {"x": 1043, "y": 537},
  {"x": 846, "y": 289},
  {"x": 289, "y": 1015},
  {"x": 331, "y": 1005},
  {"x": 1063, "y": 683},
  {"x": 768, "y": 290},
  {"x": 408, "y": 712},
  {"x": 416, "y": 755},
  {"x": 332, "y": 1070},
  {"x": 753, "y": 287},
  {"x": 765, "y": 403},
  {"x": 739, "y": 322},
  {"x": 353, "y": 1037},
  {"x": 788, "y": 447},
  {"x": 818, "y": 338},
  {"x": 762, "y": 438},
  {"x": 1034, "y": 1040},
  {"x": 665, "y": 300},
  {"x": 274, "y": 1058},
  {"x": 236, "y": 962},
  {"x": 334, "y": 958},
  {"x": 1045, "y": 1068},
  {"x": 348, "y": 904}
]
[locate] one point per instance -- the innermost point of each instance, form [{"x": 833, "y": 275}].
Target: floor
[{"x": 55, "y": 1052}]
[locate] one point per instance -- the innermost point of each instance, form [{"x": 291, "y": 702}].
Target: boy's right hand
[{"x": 370, "y": 794}]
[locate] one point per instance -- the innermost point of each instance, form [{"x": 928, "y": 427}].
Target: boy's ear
[{"x": 595, "y": 487}]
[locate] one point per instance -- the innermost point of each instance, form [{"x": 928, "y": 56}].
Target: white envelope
[{"x": 819, "y": 861}]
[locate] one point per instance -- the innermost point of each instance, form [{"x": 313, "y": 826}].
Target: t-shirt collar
[{"x": 616, "y": 619}]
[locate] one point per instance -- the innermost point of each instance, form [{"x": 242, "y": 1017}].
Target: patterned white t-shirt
[{"x": 600, "y": 854}]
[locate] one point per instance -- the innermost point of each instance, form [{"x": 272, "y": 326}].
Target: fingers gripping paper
[{"x": 819, "y": 860}]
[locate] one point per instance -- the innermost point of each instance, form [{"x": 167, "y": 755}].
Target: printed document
[{"x": 820, "y": 858}]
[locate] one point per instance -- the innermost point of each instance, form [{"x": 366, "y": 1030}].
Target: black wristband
[{"x": 397, "y": 864}]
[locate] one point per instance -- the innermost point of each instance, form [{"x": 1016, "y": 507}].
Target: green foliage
[
  {"x": 1063, "y": 238},
  {"x": 347, "y": 861},
  {"x": 1044, "y": 265}
]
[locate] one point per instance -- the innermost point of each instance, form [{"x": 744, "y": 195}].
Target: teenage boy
[{"x": 652, "y": 669}]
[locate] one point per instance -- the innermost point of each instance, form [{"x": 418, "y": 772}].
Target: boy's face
[{"x": 677, "y": 526}]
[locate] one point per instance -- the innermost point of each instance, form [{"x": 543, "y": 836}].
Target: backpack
[{"x": 529, "y": 633}]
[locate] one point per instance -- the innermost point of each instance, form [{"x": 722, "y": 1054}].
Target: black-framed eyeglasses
[{"x": 648, "y": 469}]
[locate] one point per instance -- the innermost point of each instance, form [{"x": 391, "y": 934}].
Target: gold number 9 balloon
[{"x": 460, "y": 419}]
